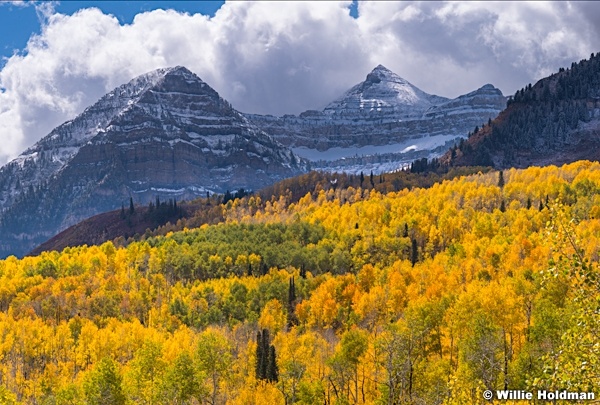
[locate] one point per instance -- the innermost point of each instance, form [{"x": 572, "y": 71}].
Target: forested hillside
[
  {"x": 555, "y": 120},
  {"x": 343, "y": 296}
]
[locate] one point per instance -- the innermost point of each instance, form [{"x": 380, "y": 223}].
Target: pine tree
[
  {"x": 500, "y": 179},
  {"x": 405, "y": 233},
  {"x": 266, "y": 358},
  {"x": 262, "y": 354},
  {"x": 272, "y": 370},
  {"x": 414, "y": 257},
  {"x": 260, "y": 357},
  {"x": 303, "y": 271},
  {"x": 131, "y": 207}
]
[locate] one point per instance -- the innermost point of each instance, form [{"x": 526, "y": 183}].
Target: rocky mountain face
[
  {"x": 166, "y": 134},
  {"x": 386, "y": 119},
  {"x": 555, "y": 121}
]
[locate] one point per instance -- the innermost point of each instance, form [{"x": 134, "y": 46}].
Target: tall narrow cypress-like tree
[
  {"x": 266, "y": 358},
  {"x": 303, "y": 271},
  {"x": 272, "y": 370},
  {"x": 414, "y": 257},
  {"x": 260, "y": 357}
]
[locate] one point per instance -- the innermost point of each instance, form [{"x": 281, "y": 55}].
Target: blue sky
[
  {"x": 275, "y": 57},
  {"x": 19, "y": 22}
]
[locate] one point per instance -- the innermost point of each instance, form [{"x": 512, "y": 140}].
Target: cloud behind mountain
[{"x": 286, "y": 57}]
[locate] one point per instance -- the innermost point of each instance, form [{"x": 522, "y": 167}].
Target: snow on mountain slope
[
  {"x": 39, "y": 162},
  {"x": 383, "y": 111},
  {"x": 165, "y": 134},
  {"x": 383, "y": 93}
]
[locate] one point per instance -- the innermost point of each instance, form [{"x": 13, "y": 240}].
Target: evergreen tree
[
  {"x": 500, "y": 179},
  {"x": 131, "y": 207},
  {"x": 260, "y": 368},
  {"x": 405, "y": 233},
  {"x": 302, "y": 271},
  {"x": 266, "y": 358},
  {"x": 414, "y": 257},
  {"x": 272, "y": 370}
]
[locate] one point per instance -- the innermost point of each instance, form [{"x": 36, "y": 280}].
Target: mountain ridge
[
  {"x": 166, "y": 133},
  {"x": 554, "y": 121},
  {"x": 386, "y": 111}
]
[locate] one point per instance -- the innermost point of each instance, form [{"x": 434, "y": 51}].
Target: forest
[
  {"x": 342, "y": 295},
  {"x": 548, "y": 116}
]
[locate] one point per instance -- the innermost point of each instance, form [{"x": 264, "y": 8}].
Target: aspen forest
[{"x": 345, "y": 295}]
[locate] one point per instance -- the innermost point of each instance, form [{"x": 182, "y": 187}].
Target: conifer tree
[
  {"x": 272, "y": 370},
  {"x": 500, "y": 179},
  {"x": 414, "y": 257}
]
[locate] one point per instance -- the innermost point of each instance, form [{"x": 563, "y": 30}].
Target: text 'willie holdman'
[{"x": 541, "y": 395}]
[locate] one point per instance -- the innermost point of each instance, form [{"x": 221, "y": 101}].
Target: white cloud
[{"x": 284, "y": 57}]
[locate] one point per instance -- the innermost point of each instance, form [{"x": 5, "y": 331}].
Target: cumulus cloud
[{"x": 286, "y": 57}]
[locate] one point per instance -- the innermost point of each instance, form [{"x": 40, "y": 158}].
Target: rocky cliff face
[
  {"x": 166, "y": 134},
  {"x": 385, "y": 114}
]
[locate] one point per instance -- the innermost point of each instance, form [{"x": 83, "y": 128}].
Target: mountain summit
[
  {"x": 384, "y": 92},
  {"x": 382, "y": 123},
  {"x": 166, "y": 133}
]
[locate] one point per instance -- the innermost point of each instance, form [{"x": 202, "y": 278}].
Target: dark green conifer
[{"x": 414, "y": 257}]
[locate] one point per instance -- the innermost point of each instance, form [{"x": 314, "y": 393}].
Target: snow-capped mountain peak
[
  {"x": 383, "y": 92},
  {"x": 165, "y": 133}
]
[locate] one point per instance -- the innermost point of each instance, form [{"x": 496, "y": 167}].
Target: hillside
[
  {"x": 347, "y": 295},
  {"x": 555, "y": 121},
  {"x": 121, "y": 226}
]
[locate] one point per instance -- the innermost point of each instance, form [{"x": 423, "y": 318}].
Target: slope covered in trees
[
  {"x": 557, "y": 120},
  {"x": 345, "y": 296},
  {"x": 125, "y": 225}
]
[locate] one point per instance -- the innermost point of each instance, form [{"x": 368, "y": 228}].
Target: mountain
[
  {"x": 166, "y": 133},
  {"x": 555, "y": 121},
  {"x": 382, "y": 123}
]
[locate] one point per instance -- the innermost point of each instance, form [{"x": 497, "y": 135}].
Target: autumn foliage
[{"x": 427, "y": 296}]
